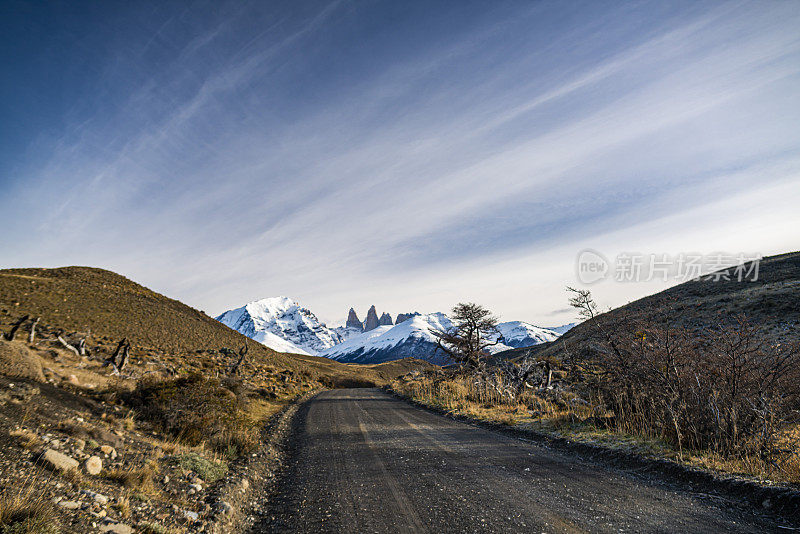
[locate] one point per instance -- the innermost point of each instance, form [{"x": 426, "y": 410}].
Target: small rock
[
  {"x": 80, "y": 443},
  {"x": 96, "y": 497},
  {"x": 59, "y": 461},
  {"x": 94, "y": 465},
  {"x": 191, "y": 516},
  {"x": 108, "y": 450},
  {"x": 196, "y": 487},
  {"x": 70, "y": 505},
  {"x": 245, "y": 485},
  {"x": 72, "y": 379},
  {"x": 166, "y": 479},
  {"x": 116, "y": 528},
  {"x": 197, "y": 480}
]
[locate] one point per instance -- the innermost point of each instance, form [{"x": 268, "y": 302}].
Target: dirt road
[{"x": 367, "y": 462}]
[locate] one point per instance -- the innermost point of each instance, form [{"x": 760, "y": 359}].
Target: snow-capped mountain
[
  {"x": 412, "y": 338},
  {"x": 281, "y": 324},
  {"x": 518, "y": 334}
]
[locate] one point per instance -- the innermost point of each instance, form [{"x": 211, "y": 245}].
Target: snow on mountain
[
  {"x": 346, "y": 332},
  {"x": 281, "y": 324},
  {"x": 518, "y": 334},
  {"x": 412, "y": 338},
  {"x": 561, "y": 330}
]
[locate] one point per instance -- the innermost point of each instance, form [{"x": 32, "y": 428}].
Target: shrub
[
  {"x": 205, "y": 468},
  {"x": 722, "y": 389},
  {"x": 197, "y": 410}
]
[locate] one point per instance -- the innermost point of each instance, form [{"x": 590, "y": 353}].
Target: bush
[
  {"x": 205, "y": 469},
  {"x": 197, "y": 410}
]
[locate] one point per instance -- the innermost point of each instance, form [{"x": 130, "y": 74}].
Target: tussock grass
[
  {"x": 26, "y": 514},
  {"x": 135, "y": 478}
]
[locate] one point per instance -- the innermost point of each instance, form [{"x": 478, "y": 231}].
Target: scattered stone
[
  {"x": 96, "y": 497},
  {"x": 72, "y": 379},
  {"x": 245, "y": 485},
  {"x": 191, "y": 516},
  {"x": 108, "y": 450},
  {"x": 94, "y": 465},
  {"x": 166, "y": 479},
  {"x": 80, "y": 444},
  {"x": 115, "y": 528},
  {"x": 59, "y": 461},
  {"x": 69, "y": 505},
  {"x": 195, "y": 488}
]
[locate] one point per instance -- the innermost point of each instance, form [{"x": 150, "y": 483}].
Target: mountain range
[{"x": 283, "y": 325}]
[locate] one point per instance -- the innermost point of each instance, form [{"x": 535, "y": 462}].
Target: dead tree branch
[
  {"x": 17, "y": 325},
  {"x": 68, "y": 346},
  {"x": 32, "y": 336}
]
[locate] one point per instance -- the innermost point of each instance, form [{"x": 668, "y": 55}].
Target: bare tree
[{"x": 474, "y": 330}]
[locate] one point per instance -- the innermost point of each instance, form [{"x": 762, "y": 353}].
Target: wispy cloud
[{"x": 345, "y": 156}]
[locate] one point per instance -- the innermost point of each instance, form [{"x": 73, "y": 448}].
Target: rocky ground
[{"x": 77, "y": 456}]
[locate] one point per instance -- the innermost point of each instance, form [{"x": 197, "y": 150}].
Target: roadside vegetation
[{"x": 721, "y": 398}]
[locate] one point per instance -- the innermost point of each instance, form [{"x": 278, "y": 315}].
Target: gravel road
[{"x": 367, "y": 462}]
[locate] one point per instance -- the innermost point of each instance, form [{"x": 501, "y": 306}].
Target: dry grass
[
  {"x": 27, "y": 439},
  {"x": 24, "y": 513},
  {"x": 123, "y": 506},
  {"x": 135, "y": 478},
  {"x": 489, "y": 400}
]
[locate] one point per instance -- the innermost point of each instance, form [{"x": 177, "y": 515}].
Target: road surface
[{"x": 367, "y": 462}]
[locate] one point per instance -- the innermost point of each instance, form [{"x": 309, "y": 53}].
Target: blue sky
[{"x": 405, "y": 154}]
